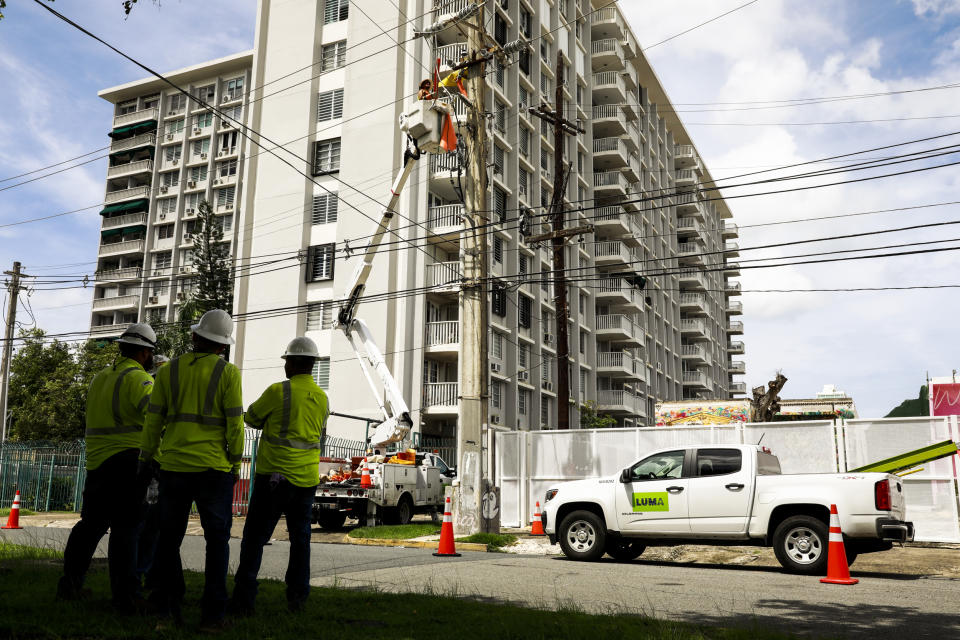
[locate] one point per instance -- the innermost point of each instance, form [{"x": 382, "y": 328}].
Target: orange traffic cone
[
  {"x": 536, "y": 527},
  {"x": 838, "y": 572},
  {"x": 446, "y": 547},
  {"x": 13, "y": 521},
  {"x": 365, "y": 482}
]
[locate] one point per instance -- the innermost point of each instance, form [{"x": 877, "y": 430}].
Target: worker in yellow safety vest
[
  {"x": 197, "y": 406},
  {"x": 116, "y": 407},
  {"x": 293, "y": 415}
]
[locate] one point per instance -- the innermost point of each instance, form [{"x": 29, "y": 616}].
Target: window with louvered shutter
[
  {"x": 333, "y": 56},
  {"x": 326, "y": 156},
  {"x": 335, "y": 10},
  {"x": 523, "y": 310},
  {"x": 225, "y": 196},
  {"x": 321, "y": 372},
  {"x": 497, "y": 160},
  {"x": 319, "y": 316},
  {"x": 499, "y": 300},
  {"x": 330, "y": 105},
  {"x": 325, "y": 208},
  {"x": 320, "y": 265},
  {"x": 498, "y": 250},
  {"x": 500, "y": 204}
]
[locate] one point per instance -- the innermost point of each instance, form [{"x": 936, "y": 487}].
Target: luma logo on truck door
[{"x": 658, "y": 501}]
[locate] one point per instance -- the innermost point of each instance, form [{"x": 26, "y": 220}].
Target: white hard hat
[
  {"x": 140, "y": 334},
  {"x": 215, "y": 325},
  {"x": 301, "y": 346}
]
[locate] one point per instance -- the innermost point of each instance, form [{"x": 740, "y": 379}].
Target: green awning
[
  {"x": 106, "y": 233},
  {"x": 133, "y": 129},
  {"x": 133, "y": 206}
]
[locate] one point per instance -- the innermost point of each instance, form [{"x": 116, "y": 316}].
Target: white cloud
[{"x": 936, "y": 8}]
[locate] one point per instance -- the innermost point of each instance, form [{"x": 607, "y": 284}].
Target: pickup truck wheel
[
  {"x": 405, "y": 510},
  {"x": 583, "y": 536},
  {"x": 800, "y": 544},
  {"x": 624, "y": 550}
]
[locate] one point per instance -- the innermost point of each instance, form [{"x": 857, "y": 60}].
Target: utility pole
[
  {"x": 473, "y": 300},
  {"x": 13, "y": 290},
  {"x": 561, "y": 126}
]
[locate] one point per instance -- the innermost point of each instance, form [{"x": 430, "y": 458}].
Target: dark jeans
[
  {"x": 111, "y": 500},
  {"x": 268, "y": 502},
  {"x": 147, "y": 538},
  {"x": 213, "y": 493}
]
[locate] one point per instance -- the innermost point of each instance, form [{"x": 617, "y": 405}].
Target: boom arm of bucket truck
[{"x": 421, "y": 126}]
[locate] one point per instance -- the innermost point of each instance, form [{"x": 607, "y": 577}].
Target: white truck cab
[{"x": 724, "y": 494}]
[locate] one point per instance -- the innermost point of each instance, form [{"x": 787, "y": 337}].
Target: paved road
[{"x": 881, "y": 606}]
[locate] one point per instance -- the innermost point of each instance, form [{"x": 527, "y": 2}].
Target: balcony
[
  {"x": 732, "y": 288},
  {"x": 136, "y": 116},
  {"x": 113, "y": 275},
  {"x": 685, "y": 178},
  {"x": 689, "y": 225},
  {"x": 693, "y": 303},
  {"x": 620, "y": 364},
  {"x": 446, "y": 219},
  {"x": 685, "y": 157},
  {"x": 692, "y": 251},
  {"x": 611, "y": 221},
  {"x": 695, "y": 379},
  {"x": 613, "y": 253},
  {"x": 607, "y": 54},
  {"x": 444, "y": 275},
  {"x": 738, "y": 387},
  {"x": 731, "y": 269},
  {"x": 129, "y": 220},
  {"x": 443, "y": 338},
  {"x": 606, "y": 22},
  {"x": 735, "y": 347},
  {"x": 735, "y": 327},
  {"x": 617, "y": 292},
  {"x": 618, "y": 328},
  {"x": 107, "y": 330},
  {"x": 608, "y": 121},
  {"x": 734, "y": 308},
  {"x": 451, "y": 53},
  {"x": 730, "y": 230},
  {"x": 630, "y": 79},
  {"x": 619, "y": 401},
  {"x": 731, "y": 249},
  {"x": 735, "y": 367},
  {"x": 693, "y": 279},
  {"x": 441, "y": 398},
  {"x": 136, "y": 142},
  {"x": 116, "y": 302},
  {"x": 140, "y": 166},
  {"x": 127, "y": 194},
  {"x": 693, "y": 328},
  {"x": 117, "y": 248},
  {"x": 610, "y": 153},
  {"x": 609, "y": 183},
  {"x": 694, "y": 353},
  {"x": 609, "y": 88}
]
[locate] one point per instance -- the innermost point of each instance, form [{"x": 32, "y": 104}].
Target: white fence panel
[
  {"x": 510, "y": 446},
  {"x": 802, "y": 447}
]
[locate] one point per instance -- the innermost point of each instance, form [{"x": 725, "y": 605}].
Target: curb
[{"x": 413, "y": 544}]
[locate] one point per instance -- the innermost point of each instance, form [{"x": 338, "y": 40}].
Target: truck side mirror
[{"x": 625, "y": 476}]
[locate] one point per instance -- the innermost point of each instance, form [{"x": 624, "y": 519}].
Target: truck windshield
[
  {"x": 440, "y": 464},
  {"x": 660, "y": 465}
]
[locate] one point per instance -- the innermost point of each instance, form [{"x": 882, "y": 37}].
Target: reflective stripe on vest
[
  {"x": 203, "y": 418},
  {"x": 118, "y": 426},
  {"x": 281, "y": 438}
]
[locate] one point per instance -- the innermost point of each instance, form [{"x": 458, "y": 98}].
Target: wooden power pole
[
  {"x": 13, "y": 290},
  {"x": 558, "y": 237}
]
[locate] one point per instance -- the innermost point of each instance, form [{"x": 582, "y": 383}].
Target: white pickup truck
[{"x": 717, "y": 495}]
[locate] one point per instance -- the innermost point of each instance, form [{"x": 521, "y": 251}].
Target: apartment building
[
  {"x": 167, "y": 154},
  {"x": 653, "y": 310}
]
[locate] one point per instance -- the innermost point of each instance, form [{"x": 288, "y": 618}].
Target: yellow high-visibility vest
[{"x": 116, "y": 407}]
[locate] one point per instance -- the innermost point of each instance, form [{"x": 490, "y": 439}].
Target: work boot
[{"x": 67, "y": 592}]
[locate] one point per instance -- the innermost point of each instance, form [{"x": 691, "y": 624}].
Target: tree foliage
[
  {"x": 590, "y": 419},
  {"x": 213, "y": 284},
  {"x": 48, "y": 386},
  {"x": 919, "y": 406}
]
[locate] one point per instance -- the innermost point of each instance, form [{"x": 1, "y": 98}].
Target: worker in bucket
[
  {"x": 197, "y": 406},
  {"x": 116, "y": 409},
  {"x": 292, "y": 415}
]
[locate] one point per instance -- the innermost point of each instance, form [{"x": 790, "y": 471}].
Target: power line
[{"x": 657, "y": 44}]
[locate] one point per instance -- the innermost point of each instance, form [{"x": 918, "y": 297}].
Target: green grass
[
  {"x": 494, "y": 541},
  {"x": 23, "y": 512},
  {"x": 13, "y": 552},
  {"x": 395, "y": 532},
  {"x": 27, "y": 610}
]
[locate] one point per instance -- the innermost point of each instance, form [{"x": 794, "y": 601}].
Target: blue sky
[{"x": 877, "y": 346}]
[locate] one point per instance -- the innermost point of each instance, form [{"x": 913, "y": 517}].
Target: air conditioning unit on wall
[
  {"x": 494, "y": 419},
  {"x": 495, "y": 367}
]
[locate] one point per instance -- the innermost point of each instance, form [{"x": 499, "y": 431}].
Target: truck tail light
[{"x": 882, "y": 499}]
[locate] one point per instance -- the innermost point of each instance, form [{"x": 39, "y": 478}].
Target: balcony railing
[
  {"x": 143, "y": 140},
  {"x": 605, "y": 145},
  {"x": 738, "y": 387},
  {"x": 611, "y": 214},
  {"x": 604, "y": 16},
  {"x": 693, "y": 276},
  {"x": 730, "y": 229},
  {"x": 127, "y": 273},
  {"x": 127, "y": 194},
  {"x": 115, "y": 302},
  {"x": 735, "y": 346},
  {"x": 607, "y": 45},
  {"x": 605, "y": 111},
  {"x": 104, "y": 329},
  {"x": 736, "y": 367},
  {"x": 130, "y": 167},
  {"x": 608, "y": 78},
  {"x": 694, "y": 377},
  {"x": 443, "y": 7},
  {"x": 735, "y": 327},
  {"x": 445, "y": 216},
  {"x": 688, "y": 249},
  {"x": 443, "y": 274},
  {"x": 612, "y": 249},
  {"x": 124, "y": 221},
  {"x": 136, "y": 116},
  {"x": 439, "y": 333},
  {"x": 451, "y": 52},
  {"x": 617, "y": 400},
  {"x": 614, "y": 322},
  {"x": 605, "y": 179},
  {"x": 127, "y": 246},
  {"x": 443, "y": 162},
  {"x": 692, "y": 325},
  {"x": 734, "y": 307},
  {"x": 689, "y": 224},
  {"x": 692, "y": 299},
  {"x": 440, "y": 394}
]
